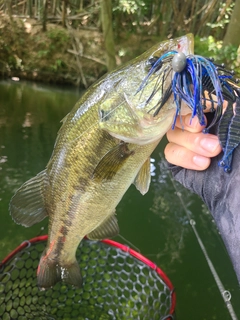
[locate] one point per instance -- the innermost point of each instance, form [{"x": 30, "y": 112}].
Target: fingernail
[
  {"x": 209, "y": 144},
  {"x": 193, "y": 122},
  {"x": 201, "y": 162}
]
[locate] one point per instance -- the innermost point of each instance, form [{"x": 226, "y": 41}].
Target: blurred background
[
  {"x": 62, "y": 47},
  {"x": 76, "y": 41}
]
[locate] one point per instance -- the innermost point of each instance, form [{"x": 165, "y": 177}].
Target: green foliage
[
  {"x": 221, "y": 23},
  {"x": 42, "y": 53},
  {"x": 137, "y": 24},
  {"x": 58, "y": 36},
  {"x": 210, "y": 47},
  {"x": 172, "y": 18},
  {"x": 50, "y": 51},
  {"x": 130, "y": 6},
  {"x": 131, "y": 14},
  {"x": 13, "y": 42},
  {"x": 57, "y": 66}
]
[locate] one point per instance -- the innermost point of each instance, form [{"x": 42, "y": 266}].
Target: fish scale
[
  {"x": 103, "y": 147},
  {"x": 105, "y": 143}
]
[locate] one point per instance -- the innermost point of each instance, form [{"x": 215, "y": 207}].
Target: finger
[
  {"x": 189, "y": 124},
  {"x": 206, "y": 145},
  {"x": 212, "y": 102},
  {"x": 182, "y": 157}
]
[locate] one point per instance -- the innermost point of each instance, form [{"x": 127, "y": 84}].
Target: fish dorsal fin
[
  {"x": 112, "y": 161},
  {"x": 143, "y": 178},
  {"x": 107, "y": 229},
  {"x": 27, "y": 205}
]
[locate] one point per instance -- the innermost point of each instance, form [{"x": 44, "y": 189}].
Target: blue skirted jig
[{"x": 197, "y": 81}]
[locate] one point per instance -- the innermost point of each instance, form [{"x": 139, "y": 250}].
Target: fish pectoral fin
[
  {"x": 27, "y": 205},
  {"x": 143, "y": 178},
  {"x": 107, "y": 229},
  {"x": 112, "y": 161}
]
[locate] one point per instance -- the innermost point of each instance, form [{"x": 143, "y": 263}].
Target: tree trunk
[
  {"x": 9, "y": 9},
  {"x": 64, "y": 9},
  {"x": 106, "y": 19},
  {"x": 29, "y": 8},
  {"x": 232, "y": 35},
  {"x": 81, "y": 5},
  {"x": 44, "y": 15},
  {"x": 54, "y": 7}
]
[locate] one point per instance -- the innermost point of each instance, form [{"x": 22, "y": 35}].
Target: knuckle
[{"x": 175, "y": 154}]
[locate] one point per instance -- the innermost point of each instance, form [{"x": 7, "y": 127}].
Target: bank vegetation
[{"x": 76, "y": 41}]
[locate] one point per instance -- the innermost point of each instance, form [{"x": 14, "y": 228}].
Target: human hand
[{"x": 188, "y": 147}]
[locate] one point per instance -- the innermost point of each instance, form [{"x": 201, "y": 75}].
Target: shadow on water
[{"x": 156, "y": 223}]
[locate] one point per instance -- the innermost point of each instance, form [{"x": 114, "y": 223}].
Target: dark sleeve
[{"x": 220, "y": 191}]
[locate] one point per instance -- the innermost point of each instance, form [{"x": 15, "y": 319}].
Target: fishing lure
[{"x": 197, "y": 80}]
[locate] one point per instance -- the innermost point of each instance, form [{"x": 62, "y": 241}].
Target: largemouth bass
[{"x": 103, "y": 146}]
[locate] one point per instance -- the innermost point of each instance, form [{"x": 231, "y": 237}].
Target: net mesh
[{"x": 118, "y": 283}]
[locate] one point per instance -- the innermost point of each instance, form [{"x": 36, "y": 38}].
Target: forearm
[{"x": 219, "y": 190}]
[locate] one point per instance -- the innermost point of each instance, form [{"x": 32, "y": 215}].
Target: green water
[{"x": 156, "y": 223}]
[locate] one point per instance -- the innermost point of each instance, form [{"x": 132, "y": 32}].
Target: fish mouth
[
  {"x": 160, "y": 74},
  {"x": 134, "y": 115}
]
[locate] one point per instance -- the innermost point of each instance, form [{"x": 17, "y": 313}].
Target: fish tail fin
[{"x": 50, "y": 272}]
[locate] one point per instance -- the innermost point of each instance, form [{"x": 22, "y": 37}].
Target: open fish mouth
[{"x": 198, "y": 81}]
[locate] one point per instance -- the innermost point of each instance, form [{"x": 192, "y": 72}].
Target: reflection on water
[
  {"x": 156, "y": 223},
  {"x": 29, "y": 120},
  {"x": 162, "y": 205}
]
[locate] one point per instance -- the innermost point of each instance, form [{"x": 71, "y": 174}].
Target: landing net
[{"x": 118, "y": 283}]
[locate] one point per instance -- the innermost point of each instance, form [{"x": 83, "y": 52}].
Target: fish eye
[{"x": 151, "y": 61}]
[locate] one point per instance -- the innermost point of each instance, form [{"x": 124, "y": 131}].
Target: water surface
[{"x": 157, "y": 223}]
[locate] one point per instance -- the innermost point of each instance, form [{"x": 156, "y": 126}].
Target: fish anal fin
[
  {"x": 50, "y": 272},
  {"x": 112, "y": 162},
  {"x": 108, "y": 229},
  {"x": 27, "y": 205},
  {"x": 143, "y": 178}
]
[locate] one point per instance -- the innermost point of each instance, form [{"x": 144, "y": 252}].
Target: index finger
[{"x": 188, "y": 123}]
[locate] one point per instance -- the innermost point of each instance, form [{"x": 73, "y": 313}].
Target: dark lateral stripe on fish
[
  {"x": 82, "y": 184},
  {"x": 61, "y": 238},
  {"x": 60, "y": 244}
]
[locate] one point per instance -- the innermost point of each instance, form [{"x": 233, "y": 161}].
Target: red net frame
[{"x": 114, "y": 244}]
